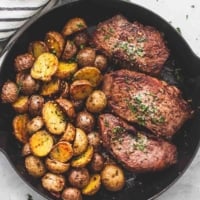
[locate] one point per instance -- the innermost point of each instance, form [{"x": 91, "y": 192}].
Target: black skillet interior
[{"x": 140, "y": 187}]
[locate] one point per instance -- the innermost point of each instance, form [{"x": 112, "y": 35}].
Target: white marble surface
[{"x": 184, "y": 14}]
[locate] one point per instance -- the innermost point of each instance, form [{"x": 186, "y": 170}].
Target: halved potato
[
  {"x": 21, "y": 105},
  {"x": 54, "y": 118},
  {"x": 83, "y": 159},
  {"x": 36, "y": 48},
  {"x": 35, "y": 124},
  {"x": 80, "y": 89},
  {"x": 92, "y": 74},
  {"x": 55, "y": 166},
  {"x": 66, "y": 70},
  {"x": 80, "y": 142},
  {"x": 19, "y": 126},
  {"x": 44, "y": 67},
  {"x": 69, "y": 133},
  {"x": 74, "y": 25},
  {"x": 62, "y": 151},
  {"x": 41, "y": 143},
  {"x": 50, "y": 88},
  {"x": 55, "y": 42},
  {"x": 67, "y": 107},
  {"x": 93, "y": 186}
]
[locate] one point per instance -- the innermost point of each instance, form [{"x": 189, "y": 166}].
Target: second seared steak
[
  {"x": 131, "y": 44},
  {"x": 147, "y": 101},
  {"x": 135, "y": 150}
]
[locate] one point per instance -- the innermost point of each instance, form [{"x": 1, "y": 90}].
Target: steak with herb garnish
[
  {"x": 131, "y": 45},
  {"x": 147, "y": 101},
  {"x": 137, "y": 152}
]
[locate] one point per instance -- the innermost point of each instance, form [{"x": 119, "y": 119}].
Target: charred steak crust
[
  {"x": 147, "y": 101},
  {"x": 131, "y": 44},
  {"x": 136, "y": 151}
]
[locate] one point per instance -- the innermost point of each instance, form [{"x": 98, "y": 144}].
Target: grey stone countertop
[{"x": 182, "y": 14}]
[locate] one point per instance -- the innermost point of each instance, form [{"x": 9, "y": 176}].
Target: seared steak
[
  {"x": 147, "y": 101},
  {"x": 135, "y": 150},
  {"x": 131, "y": 44}
]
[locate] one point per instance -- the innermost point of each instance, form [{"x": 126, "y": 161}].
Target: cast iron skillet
[{"x": 146, "y": 186}]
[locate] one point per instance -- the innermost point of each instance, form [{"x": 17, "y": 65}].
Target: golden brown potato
[
  {"x": 96, "y": 101},
  {"x": 81, "y": 39},
  {"x": 86, "y": 57},
  {"x": 21, "y": 104},
  {"x": 85, "y": 121},
  {"x": 71, "y": 193},
  {"x": 69, "y": 133},
  {"x": 26, "y": 149},
  {"x": 112, "y": 177},
  {"x": 55, "y": 166},
  {"x": 9, "y": 92},
  {"x": 55, "y": 42},
  {"x": 23, "y": 62},
  {"x": 53, "y": 183},
  {"x": 74, "y": 25},
  {"x": 83, "y": 159},
  {"x": 54, "y": 118},
  {"x": 35, "y": 124},
  {"x": 94, "y": 140},
  {"x": 80, "y": 89},
  {"x": 66, "y": 70},
  {"x": 35, "y": 105},
  {"x": 97, "y": 162},
  {"x": 101, "y": 62},
  {"x": 27, "y": 85},
  {"x": 93, "y": 186},
  {"x": 36, "y": 48},
  {"x": 69, "y": 51},
  {"x": 67, "y": 107},
  {"x": 80, "y": 142},
  {"x": 19, "y": 127},
  {"x": 34, "y": 166},
  {"x": 44, "y": 67},
  {"x": 92, "y": 74},
  {"x": 41, "y": 143},
  {"x": 62, "y": 151},
  {"x": 79, "y": 178}
]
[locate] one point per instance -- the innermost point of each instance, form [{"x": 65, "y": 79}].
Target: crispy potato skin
[
  {"x": 26, "y": 149},
  {"x": 81, "y": 38},
  {"x": 101, "y": 62},
  {"x": 36, "y": 48},
  {"x": 94, "y": 140},
  {"x": 35, "y": 105},
  {"x": 71, "y": 193},
  {"x": 69, "y": 133},
  {"x": 97, "y": 162},
  {"x": 70, "y": 50},
  {"x": 35, "y": 124},
  {"x": 21, "y": 104}
]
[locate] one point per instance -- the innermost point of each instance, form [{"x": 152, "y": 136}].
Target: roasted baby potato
[
  {"x": 71, "y": 193},
  {"x": 93, "y": 186},
  {"x": 44, "y": 67},
  {"x": 35, "y": 124},
  {"x": 41, "y": 143},
  {"x": 53, "y": 182},
  {"x": 55, "y": 42},
  {"x": 19, "y": 127},
  {"x": 36, "y": 48},
  {"x": 35, "y": 105},
  {"x": 21, "y": 104},
  {"x": 94, "y": 140},
  {"x": 64, "y": 89},
  {"x": 54, "y": 118},
  {"x": 92, "y": 74},
  {"x": 66, "y": 70},
  {"x": 86, "y": 57},
  {"x": 34, "y": 166},
  {"x": 26, "y": 149},
  {"x": 69, "y": 133},
  {"x": 81, "y": 39},
  {"x": 9, "y": 92},
  {"x": 69, "y": 50},
  {"x": 85, "y": 121},
  {"x": 101, "y": 62},
  {"x": 67, "y": 107},
  {"x": 78, "y": 104},
  {"x": 62, "y": 151},
  {"x": 23, "y": 62},
  {"x": 96, "y": 101},
  {"x": 80, "y": 142},
  {"x": 74, "y": 25},
  {"x": 83, "y": 159},
  {"x": 97, "y": 162},
  {"x": 80, "y": 89},
  {"x": 55, "y": 166},
  {"x": 79, "y": 178},
  {"x": 26, "y": 84},
  {"x": 50, "y": 88},
  {"x": 112, "y": 177}
]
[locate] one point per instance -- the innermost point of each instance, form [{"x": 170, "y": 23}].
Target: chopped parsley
[
  {"x": 80, "y": 25},
  {"x": 140, "y": 142},
  {"x": 118, "y": 129}
]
